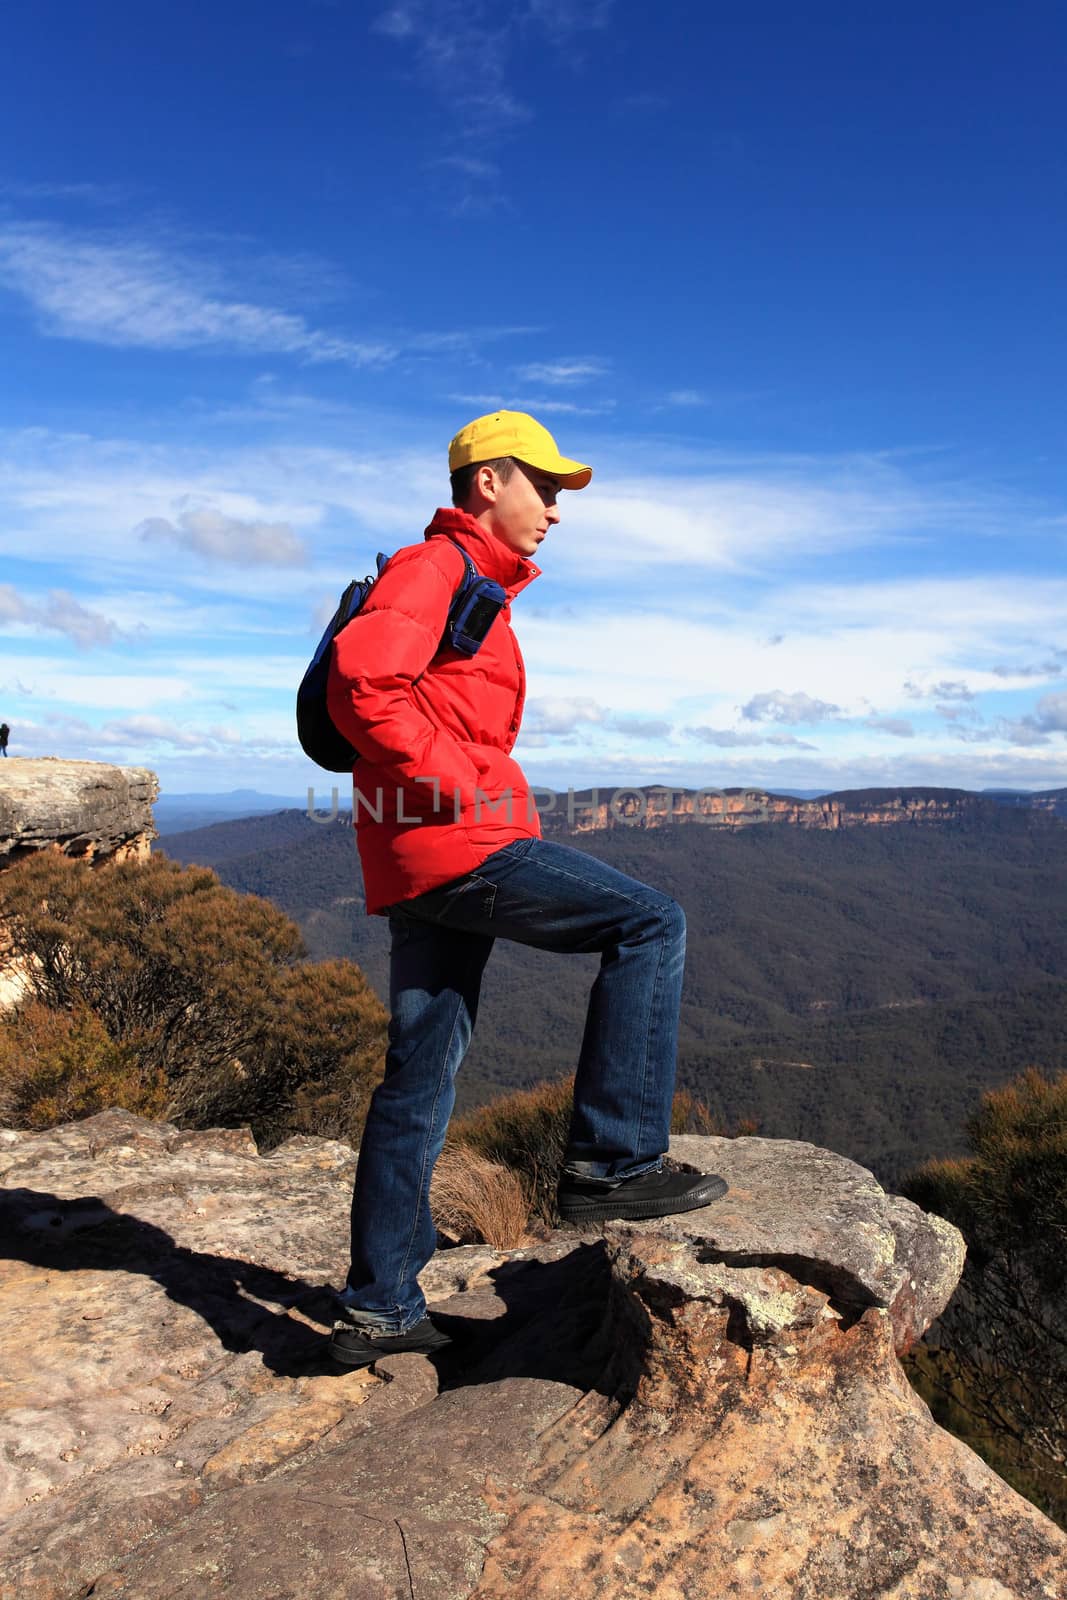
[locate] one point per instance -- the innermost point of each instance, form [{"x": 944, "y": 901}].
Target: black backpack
[{"x": 474, "y": 609}]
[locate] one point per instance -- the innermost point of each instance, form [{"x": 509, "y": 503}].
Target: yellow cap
[{"x": 513, "y": 433}]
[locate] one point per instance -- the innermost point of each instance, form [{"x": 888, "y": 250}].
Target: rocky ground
[{"x": 711, "y": 1406}]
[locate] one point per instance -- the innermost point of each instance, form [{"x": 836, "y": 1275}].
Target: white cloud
[
  {"x": 741, "y": 516},
  {"x": 61, "y": 613},
  {"x": 561, "y": 716},
  {"x": 1048, "y": 716},
  {"x": 945, "y": 690},
  {"x": 616, "y": 662},
  {"x": 229, "y": 539},
  {"x": 560, "y": 713},
  {"x": 1051, "y": 712},
  {"x": 778, "y": 706},
  {"x": 899, "y": 727}
]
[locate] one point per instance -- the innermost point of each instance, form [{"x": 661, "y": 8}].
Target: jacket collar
[{"x": 491, "y": 556}]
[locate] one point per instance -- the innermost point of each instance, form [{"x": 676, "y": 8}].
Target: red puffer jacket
[{"x": 435, "y": 791}]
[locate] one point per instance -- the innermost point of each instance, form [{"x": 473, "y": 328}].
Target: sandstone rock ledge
[
  {"x": 84, "y": 808},
  {"x": 710, "y": 1406}
]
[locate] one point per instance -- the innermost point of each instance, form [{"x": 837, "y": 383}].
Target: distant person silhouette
[{"x": 5, "y": 734}]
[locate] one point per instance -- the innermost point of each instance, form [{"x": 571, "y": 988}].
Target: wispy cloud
[
  {"x": 470, "y": 166},
  {"x": 59, "y": 613},
  {"x": 899, "y": 727},
  {"x": 560, "y": 717},
  {"x": 736, "y": 513},
  {"x": 729, "y": 738},
  {"x": 564, "y": 372},
  {"x": 562, "y": 19},
  {"x": 101, "y": 194},
  {"x": 451, "y": 43},
  {"x": 645, "y": 100},
  {"x": 536, "y": 405},
  {"x": 128, "y": 290},
  {"x": 218, "y": 538},
  {"x": 141, "y": 737},
  {"x": 118, "y": 289}
]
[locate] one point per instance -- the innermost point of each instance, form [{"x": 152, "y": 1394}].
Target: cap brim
[{"x": 571, "y": 474}]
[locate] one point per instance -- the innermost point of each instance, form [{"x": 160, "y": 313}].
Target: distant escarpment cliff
[{"x": 657, "y": 805}]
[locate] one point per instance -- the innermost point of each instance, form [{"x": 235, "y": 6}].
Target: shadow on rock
[
  {"x": 535, "y": 1317},
  {"x": 542, "y": 1317},
  {"x": 229, "y": 1294}
]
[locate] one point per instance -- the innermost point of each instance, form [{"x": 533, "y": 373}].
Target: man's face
[{"x": 524, "y": 508}]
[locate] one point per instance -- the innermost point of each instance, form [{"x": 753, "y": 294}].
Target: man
[
  {"x": 5, "y": 734},
  {"x": 451, "y": 848}
]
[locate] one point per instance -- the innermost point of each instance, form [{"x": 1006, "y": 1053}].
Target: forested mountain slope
[{"x": 856, "y": 988}]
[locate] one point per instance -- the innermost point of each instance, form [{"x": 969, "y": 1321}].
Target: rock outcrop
[
  {"x": 706, "y": 1406},
  {"x": 83, "y": 808}
]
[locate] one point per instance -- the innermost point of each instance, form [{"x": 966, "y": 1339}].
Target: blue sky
[{"x": 792, "y": 281}]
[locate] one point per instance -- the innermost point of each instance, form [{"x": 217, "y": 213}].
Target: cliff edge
[
  {"x": 83, "y": 808},
  {"x": 701, "y": 1407}
]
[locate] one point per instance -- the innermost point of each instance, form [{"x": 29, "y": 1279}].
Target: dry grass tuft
[{"x": 478, "y": 1200}]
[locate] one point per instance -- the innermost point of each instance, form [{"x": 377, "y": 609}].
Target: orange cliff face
[{"x": 658, "y": 806}]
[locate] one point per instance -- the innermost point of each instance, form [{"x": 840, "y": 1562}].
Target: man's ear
[{"x": 487, "y": 483}]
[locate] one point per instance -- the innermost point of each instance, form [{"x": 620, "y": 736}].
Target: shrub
[
  {"x": 997, "y": 1355},
  {"x": 201, "y": 987},
  {"x": 528, "y": 1132},
  {"x": 477, "y": 1200},
  {"x": 330, "y": 1042},
  {"x": 56, "y": 1066}
]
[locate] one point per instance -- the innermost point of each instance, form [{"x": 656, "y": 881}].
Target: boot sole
[{"x": 645, "y": 1210}]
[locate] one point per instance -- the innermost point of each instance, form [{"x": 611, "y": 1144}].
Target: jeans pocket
[
  {"x": 475, "y": 894},
  {"x": 469, "y": 896}
]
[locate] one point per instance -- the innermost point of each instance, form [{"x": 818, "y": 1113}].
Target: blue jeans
[{"x": 539, "y": 893}]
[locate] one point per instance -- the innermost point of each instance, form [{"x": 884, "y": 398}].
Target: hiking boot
[
  {"x": 352, "y": 1346},
  {"x": 659, "y": 1193}
]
